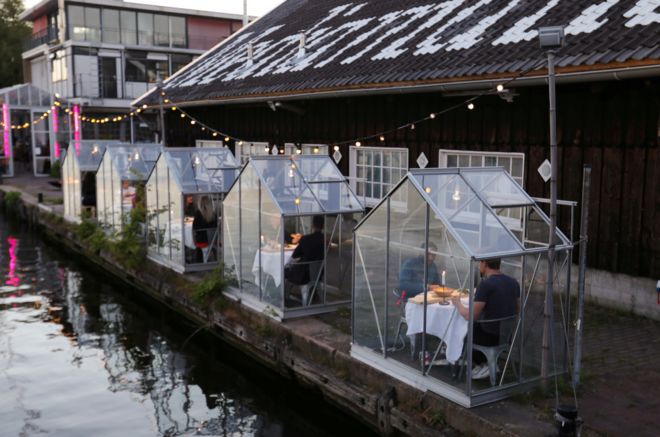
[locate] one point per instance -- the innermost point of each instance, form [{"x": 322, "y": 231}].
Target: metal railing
[{"x": 44, "y": 36}]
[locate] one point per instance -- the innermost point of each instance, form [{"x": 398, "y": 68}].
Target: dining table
[
  {"x": 271, "y": 261},
  {"x": 442, "y": 320}
]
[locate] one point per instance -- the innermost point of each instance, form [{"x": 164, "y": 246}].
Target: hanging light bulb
[
  {"x": 281, "y": 151},
  {"x": 297, "y": 200},
  {"x": 316, "y": 150},
  {"x": 196, "y": 161},
  {"x": 95, "y": 149},
  {"x": 336, "y": 148},
  {"x": 192, "y": 122},
  {"x": 173, "y": 109},
  {"x": 500, "y": 88},
  {"x": 267, "y": 149},
  {"x": 137, "y": 156},
  {"x": 291, "y": 173},
  {"x": 144, "y": 106},
  {"x": 432, "y": 115},
  {"x": 166, "y": 101},
  {"x": 298, "y": 151},
  {"x": 358, "y": 144},
  {"x": 412, "y": 126},
  {"x": 427, "y": 189},
  {"x": 182, "y": 115},
  {"x": 470, "y": 106},
  {"x": 381, "y": 138},
  {"x": 240, "y": 143},
  {"x": 457, "y": 195},
  {"x": 215, "y": 134},
  {"x": 203, "y": 128},
  {"x": 226, "y": 139}
]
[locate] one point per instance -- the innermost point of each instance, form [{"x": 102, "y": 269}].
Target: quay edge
[{"x": 309, "y": 351}]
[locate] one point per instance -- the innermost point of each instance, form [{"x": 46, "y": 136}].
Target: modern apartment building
[{"x": 102, "y": 54}]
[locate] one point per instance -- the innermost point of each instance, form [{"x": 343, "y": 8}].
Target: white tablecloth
[
  {"x": 271, "y": 264},
  {"x": 442, "y": 321}
]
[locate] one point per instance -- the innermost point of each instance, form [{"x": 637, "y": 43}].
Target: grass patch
[{"x": 11, "y": 199}]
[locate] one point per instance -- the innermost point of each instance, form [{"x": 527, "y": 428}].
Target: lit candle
[
  {"x": 444, "y": 274},
  {"x": 262, "y": 240}
]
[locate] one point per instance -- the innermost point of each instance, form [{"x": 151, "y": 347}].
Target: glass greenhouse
[
  {"x": 79, "y": 177},
  {"x": 458, "y": 220},
  {"x": 184, "y": 206},
  {"x": 288, "y": 234},
  {"x": 120, "y": 182}
]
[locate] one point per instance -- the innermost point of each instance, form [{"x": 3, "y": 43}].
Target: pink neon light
[
  {"x": 76, "y": 127},
  {"x": 56, "y": 144},
  {"x": 5, "y": 131},
  {"x": 12, "y": 279}
]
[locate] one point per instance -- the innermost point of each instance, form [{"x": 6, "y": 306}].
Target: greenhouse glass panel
[
  {"x": 291, "y": 224},
  {"x": 185, "y": 201},
  {"x": 497, "y": 187},
  {"x": 415, "y": 295}
]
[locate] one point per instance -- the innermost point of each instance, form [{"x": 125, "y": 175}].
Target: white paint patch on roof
[
  {"x": 431, "y": 45},
  {"x": 643, "y": 13},
  {"x": 355, "y": 9},
  {"x": 473, "y": 35},
  {"x": 414, "y": 13},
  {"x": 587, "y": 21},
  {"x": 521, "y": 30},
  {"x": 394, "y": 50}
]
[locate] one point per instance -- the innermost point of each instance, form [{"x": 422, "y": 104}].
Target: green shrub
[
  {"x": 56, "y": 169},
  {"x": 213, "y": 284},
  {"x": 11, "y": 201}
]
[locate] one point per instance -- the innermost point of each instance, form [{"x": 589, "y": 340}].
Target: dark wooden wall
[{"x": 614, "y": 126}]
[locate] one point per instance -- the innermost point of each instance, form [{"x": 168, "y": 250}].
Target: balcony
[{"x": 44, "y": 36}]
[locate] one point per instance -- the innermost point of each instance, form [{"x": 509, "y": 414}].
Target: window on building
[
  {"x": 178, "y": 31},
  {"x": 93, "y": 24},
  {"x": 145, "y": 28},
  {"x": 514, "y": 163},
  {"x": 111, "y": 26},
  {"x": 314, "y": 149},
  {"x": 141, "y": 69},
  {"x": 76, "y": 23},
  {"x": 373, "y": 171},
  {"x": 59, "y": 68},
  {"x": 180, "y": 61},
  {"x": 162, "y": 30},
  {"x": 128, "y": 27},
  {"x": 84, "y": 23}
]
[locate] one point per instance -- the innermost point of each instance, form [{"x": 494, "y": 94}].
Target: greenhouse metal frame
[{"x": 458, "y": 217}]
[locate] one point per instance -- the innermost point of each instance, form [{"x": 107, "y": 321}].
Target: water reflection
[{"x": 79, "y": 358}]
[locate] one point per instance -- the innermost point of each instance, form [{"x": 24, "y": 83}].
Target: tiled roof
[{"x": 388, "y": 42}]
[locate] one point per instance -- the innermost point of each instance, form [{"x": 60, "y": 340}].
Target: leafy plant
[
  {"x": 56, "y": 169},
  {"x": 213, "y": 284},
  {"x": 11, "y": 199}
]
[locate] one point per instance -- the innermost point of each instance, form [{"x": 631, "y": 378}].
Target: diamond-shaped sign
[
  {"x": 422, "y": 160},
  {"x": 275, "y": 150},
  {"x": 336, "y": 156},
  {"x": 545, "y": 170}
]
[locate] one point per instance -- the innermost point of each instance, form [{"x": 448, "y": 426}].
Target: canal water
[{"x": 81, "y": 355}]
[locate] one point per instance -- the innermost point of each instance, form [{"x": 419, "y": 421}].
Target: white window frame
[
  {"x": 314, "y": 149},
  {"x": 443, "y": 155},
  {"x": 511, "y": 218},
  {"x": 359, "y": 183},
  {"x": 201, "y": 144},
  {"x": 243, "y": 151}
]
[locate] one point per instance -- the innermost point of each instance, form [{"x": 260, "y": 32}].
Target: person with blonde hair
[{"x": 204, "y": 225}]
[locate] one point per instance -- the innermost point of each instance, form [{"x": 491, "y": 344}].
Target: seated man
[
  {"x": 310, "y": 248},
  {"x": 497, "y": 296},
  {"x": 411, "y": 277}
]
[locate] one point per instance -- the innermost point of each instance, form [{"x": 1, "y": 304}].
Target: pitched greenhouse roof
[
  {"x": 304, "y": 184},
  {"x": 466, "y": 200},
  {"x": 89, "y": 153},
  {"x": 407, "y": 43},
  {"x": 208, "y": 170},
  {"x": 133, "y": 163}
]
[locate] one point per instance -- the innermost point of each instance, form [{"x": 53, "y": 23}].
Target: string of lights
[{"x": 380, "y": 136}]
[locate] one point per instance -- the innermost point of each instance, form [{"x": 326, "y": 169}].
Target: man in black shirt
[
  {"x": 497, "y": 296},
  {"x": 310, "y": 248}
]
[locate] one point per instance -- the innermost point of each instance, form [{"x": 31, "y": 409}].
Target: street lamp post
[{"x": 551, "y": 38}]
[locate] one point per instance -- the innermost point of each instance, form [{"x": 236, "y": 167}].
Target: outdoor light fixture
[
  {"x": 192, "y": 122},
  {"x": 427, "y": 189},
  {"x": 432, "y": 115},
  {"x": 182, "y": 114},
  {"x": 226, "y": 139},
  {"x": 173, "y": 109},
  {"x": 551, "y": 37},
  {"x": 470, "y": 106},
  {"x": 500, "y": 88},
  {"x": 297, "y": 200},
  {"x": 298, "y": 151},
  {"x": 358, "y": 144},
  {"x": 336, "y": 148},
  {"x": 144, "y": 106}
]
